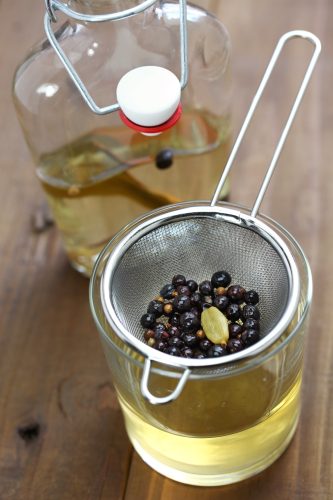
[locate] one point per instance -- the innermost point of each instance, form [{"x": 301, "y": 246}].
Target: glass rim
[{"x": 235, "y": 367}]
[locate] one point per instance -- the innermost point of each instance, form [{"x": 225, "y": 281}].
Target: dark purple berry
[
  {"x": 148, "y": 320},
  {"x": 234, "y": 345},
  {"x": 183, "y": 290},
  {"x": 195, "y": 311},
  {"x": 216, "y": 350},
  {"x": 162, "y": 335},
  {"x": 167, "y": 291},
  {"x": 182, "y": 303},
  {"x": 174, "y": 331},
  {"x": 221, "y": 278},
  {"x": 251, "y": 297},
  {"x": 250, "y": 312},
  {"x": 155, "y": 307},
  {"x": 190, "y": 339},
  {"x": 160, "y": 345},
  {"x": 164, "y": 158},
  {"x": 251, "y": 324},
  {"x": 193, "y": 285},
  {"x": 175, "y": 342},
  {"x": 173, "y": 351},
  {"x": 221, "y": 302},
  {"x": 187, "y": 352},
  {"x": 178, "y": 280},
  {"x": 189, "y": 322},
  {"x": 196, "y": 300},
  {"x": 236, "y": 293},
  {"x": 174, "y": 319},
  {"x": 233, "y": 312},
  {"x": 250, "y": 337},
  {"x": 205, "y": 344},
  {"x": 235, "y": 329},
  {"x": 206, "y": 287},
  {"x": 199, "y": 355},
  {"x": 159, "y": 328}
]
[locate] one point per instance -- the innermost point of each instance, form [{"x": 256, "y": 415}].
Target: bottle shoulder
[
  {"x": 103, "y": 52},
  {"x": 77, "y": 37}
]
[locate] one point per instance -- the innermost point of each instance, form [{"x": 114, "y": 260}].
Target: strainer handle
[
  {"x": 283, "y": 40},
  {"x": 154, "y": 400}
]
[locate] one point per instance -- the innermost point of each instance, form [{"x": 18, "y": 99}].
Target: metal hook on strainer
[{"x": 196, "y": 239}]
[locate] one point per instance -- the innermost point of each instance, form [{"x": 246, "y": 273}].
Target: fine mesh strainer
[{"x": 196, "y": 239}]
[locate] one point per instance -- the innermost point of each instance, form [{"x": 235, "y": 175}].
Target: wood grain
[{"x": 61, "y": 431}]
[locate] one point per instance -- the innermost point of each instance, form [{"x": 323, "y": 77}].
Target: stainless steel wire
[
  {"x": 53, "y": 5},
  {"x": 196, "y": 240},
  {"x": 281, "y": 43}
]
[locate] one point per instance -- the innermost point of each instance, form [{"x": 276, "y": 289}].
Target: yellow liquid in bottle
[{"x": 107, "y": 178}]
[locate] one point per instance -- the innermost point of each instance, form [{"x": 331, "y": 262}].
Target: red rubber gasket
[{"x": 156, "y": 129}]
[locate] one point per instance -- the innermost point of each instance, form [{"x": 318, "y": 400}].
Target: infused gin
[{"x": 108, "y": 177}]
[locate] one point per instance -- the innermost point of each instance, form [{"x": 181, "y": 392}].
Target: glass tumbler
[{"x": 221, "y": 428}]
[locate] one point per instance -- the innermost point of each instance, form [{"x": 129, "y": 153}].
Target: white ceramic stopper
[{"x": 149, "y": 95}]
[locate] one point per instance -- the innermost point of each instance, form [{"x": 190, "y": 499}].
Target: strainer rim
[{"x": 176, "y": 213}]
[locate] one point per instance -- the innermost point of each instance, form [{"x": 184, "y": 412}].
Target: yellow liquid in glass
[{"x": 252, "y": 434}]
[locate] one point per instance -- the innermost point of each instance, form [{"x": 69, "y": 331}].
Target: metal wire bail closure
[
  {"x": 182, "y": 220},
  {"x": 50, "y": 11},
  {"x": 53, "y": 5}
]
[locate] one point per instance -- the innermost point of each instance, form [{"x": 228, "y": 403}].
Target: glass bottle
[{"x": 97, "y": 173}]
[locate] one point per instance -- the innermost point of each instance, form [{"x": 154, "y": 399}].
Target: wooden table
[{"x": 61, "y": 431}]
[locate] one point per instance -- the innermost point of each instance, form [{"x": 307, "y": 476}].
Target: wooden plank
[
  {"x": 61, "y": 431},
  {"x": 299, "y": 198}
]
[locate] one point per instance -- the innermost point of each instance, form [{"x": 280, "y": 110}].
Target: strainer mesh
[{"x": 197, "y": 247}]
